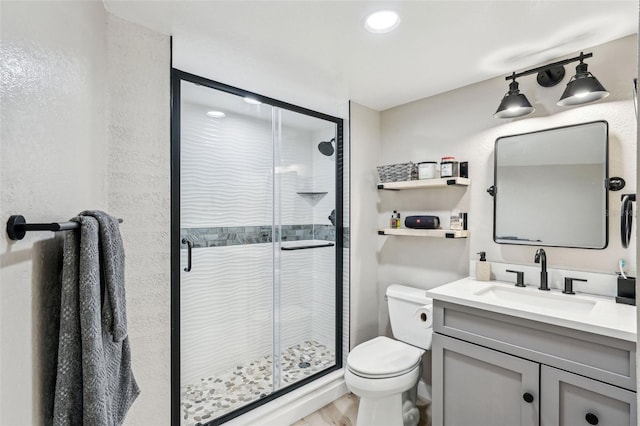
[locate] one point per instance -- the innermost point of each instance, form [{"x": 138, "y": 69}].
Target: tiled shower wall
[
  {"x": 226, "y": 188},
  {"x": 240, "y": 235}
]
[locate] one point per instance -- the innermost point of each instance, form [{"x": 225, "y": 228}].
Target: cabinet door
[
  {"x": 476, "y": 386},
  {"x": 569, "y": 399}
]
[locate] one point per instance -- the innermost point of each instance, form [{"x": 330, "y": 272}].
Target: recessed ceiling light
[
  {"x": 252, "y": 101},
  {"x": 216, "y": 114},
  {"x": 382, "y": 21}
]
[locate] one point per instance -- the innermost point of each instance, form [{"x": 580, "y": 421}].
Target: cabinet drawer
[
  {"x": 568, "y": 399},
  {"x": 600, "y": 357}
]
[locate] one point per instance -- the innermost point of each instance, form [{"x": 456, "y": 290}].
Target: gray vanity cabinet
[
  {"x": 479, "y": 386},
  {"x": 491, "y": 369},
  {"x": 572, "y": 400}
]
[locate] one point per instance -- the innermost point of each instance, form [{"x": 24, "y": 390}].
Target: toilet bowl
[{"x": 383, "y": 372}]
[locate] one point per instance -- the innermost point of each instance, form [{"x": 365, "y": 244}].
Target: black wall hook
[{"x": 615, "y": 183}]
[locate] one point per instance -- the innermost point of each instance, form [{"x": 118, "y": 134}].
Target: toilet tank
[{"x": 411, "y": 321}]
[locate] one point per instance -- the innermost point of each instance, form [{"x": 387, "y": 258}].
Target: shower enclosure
[{"x": 257, "y": 249}]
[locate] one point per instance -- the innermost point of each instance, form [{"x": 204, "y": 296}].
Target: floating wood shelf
[
  {"x": 433, "y": 233},
  {"x": 425, "y": 183}
]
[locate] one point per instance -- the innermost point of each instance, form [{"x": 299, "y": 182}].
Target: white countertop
[{"x": 585, "y": 312}]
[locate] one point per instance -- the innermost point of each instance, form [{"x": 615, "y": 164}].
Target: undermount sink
[
  {"x": 535, "y": 298},
  {"x": 582, "y": 311}
]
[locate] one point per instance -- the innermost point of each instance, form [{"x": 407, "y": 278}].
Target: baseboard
[{"x": 296, "y": 404}]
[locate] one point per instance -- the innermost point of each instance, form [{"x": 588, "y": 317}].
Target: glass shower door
[
  {"x": 257, "y": 279},
  {"x": 305, "y": 200},
  {"x": 226, "y": 216}
]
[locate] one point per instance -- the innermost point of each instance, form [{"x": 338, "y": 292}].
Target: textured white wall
[
  {"x": 85, "y": 125},
  {"x": 139, "y": 185},
  {"x": 53, "y": 164},
  {"x": 460, "y": 123}
]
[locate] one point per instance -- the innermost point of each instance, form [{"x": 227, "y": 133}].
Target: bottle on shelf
[
  {"x": 395, "y": 220},
  {"x": 456, "y": 221}
]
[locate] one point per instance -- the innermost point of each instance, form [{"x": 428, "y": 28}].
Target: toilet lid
[{"x": 383, "y": 357}]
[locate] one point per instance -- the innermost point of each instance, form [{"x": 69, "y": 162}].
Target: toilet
[{"x": 385, "y": 372}]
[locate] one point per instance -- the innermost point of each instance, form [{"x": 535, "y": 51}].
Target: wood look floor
[{"x": 343, "y": 412}]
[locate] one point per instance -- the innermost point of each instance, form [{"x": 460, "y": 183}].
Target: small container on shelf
[
  {"x": 428, "y": 170},
  {"x": 449, "y": 167},
  {"x": 395, "y": 220},
  {"x": 456, "y": 222}
]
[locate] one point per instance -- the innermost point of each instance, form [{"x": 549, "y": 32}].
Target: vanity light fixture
[
  {"x": 382, "y": 21},
  {"x": 514, "y": 103},
  {"x": 216, "y": 114},
  {"x": 581, "y": 89}
]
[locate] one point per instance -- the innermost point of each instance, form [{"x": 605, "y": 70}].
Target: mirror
[{"x": 551, "y": 187}]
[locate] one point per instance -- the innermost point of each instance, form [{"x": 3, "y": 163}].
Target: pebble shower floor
[{"x": 215, "y": 396}]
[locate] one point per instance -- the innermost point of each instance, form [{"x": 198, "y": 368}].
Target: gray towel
[{"x": 94, "y": 383}]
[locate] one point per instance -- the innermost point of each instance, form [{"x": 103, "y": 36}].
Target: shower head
[{"x": 326, "y": 147}]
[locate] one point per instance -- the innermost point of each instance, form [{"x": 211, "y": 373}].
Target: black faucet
[{"x": 541, "y": 258}]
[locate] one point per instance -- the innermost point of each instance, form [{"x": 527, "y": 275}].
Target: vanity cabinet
[
  {"x": 569, "y": 399},
  {"x": 496, "y": 369},
  {"x": 480, "y": 386}
]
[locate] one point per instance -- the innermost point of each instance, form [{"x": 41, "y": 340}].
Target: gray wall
[
  {"x": 365, "y": 140},
  {"x": 460, "y": 123}
]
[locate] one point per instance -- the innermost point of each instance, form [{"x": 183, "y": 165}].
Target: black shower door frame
[{"x": 177, "y": 76}]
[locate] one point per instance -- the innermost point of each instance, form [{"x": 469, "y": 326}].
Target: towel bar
[
  {"x": 307, "y": 247},
  {"x": 17, "y": 227}
]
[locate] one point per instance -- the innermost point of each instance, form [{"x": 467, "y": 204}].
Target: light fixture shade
[
  {"x": 514, "y": 104},
  {"x": 581, "y": 90}
]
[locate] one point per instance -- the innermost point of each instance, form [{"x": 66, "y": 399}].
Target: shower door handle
[{"x": 189, "y": 248}]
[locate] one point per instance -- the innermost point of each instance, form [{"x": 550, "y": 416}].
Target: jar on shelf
[
  {"x": 427, "y": 170},
  {"x": 449, "y": 167}
]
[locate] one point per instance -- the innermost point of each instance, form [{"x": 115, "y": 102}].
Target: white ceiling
[{"x": 439, "y": 45}]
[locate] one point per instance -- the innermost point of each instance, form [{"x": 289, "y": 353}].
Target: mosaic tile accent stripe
[
  {"x": 215, "y": 396},
  {"x": 242, "y": 235}
]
